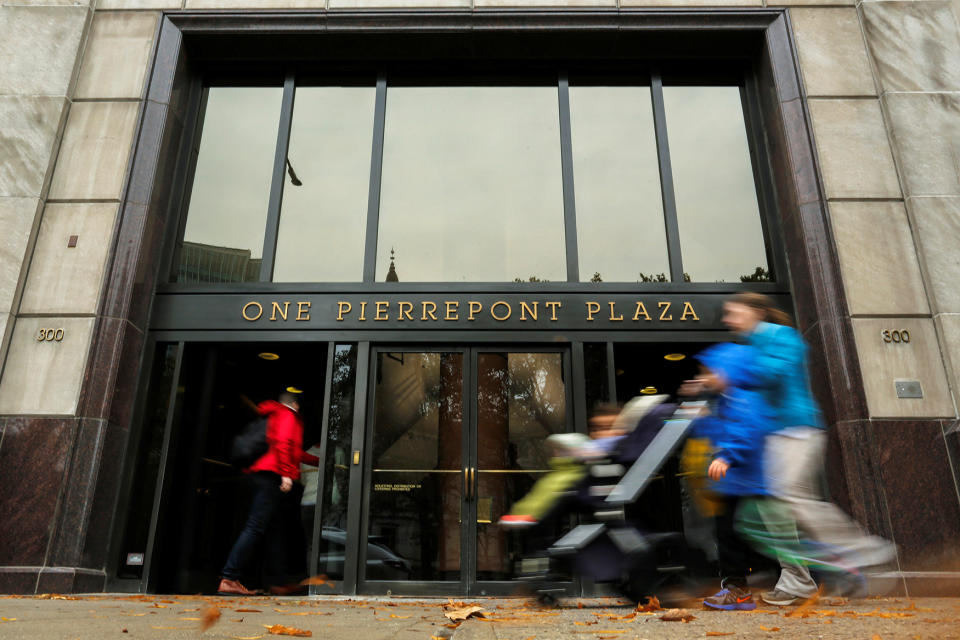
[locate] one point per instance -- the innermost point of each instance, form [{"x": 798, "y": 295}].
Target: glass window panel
[
  {"x": 521, "y": 400},
  {"x": 719, "y": 217},
  {"x": 336, "y": 470},
  {"x": 416, "y": 493},
  {"x": 620, "y": 229},
  {"x": 472, "y": 188},
  {"x": 323, "y": 219},
  {"x": 223, "y": 239}
]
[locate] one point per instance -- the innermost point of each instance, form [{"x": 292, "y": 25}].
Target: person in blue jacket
[
  {"x": 738, "y": 422},
  {"x": 794, "y": 453}
]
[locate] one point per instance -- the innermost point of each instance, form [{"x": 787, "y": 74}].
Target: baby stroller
[{"x": 613, "y": 549}]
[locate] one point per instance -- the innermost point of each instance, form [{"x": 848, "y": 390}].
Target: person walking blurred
[
  {"x": 275, "y": 508},
  {"x": 794, "y": 453}
]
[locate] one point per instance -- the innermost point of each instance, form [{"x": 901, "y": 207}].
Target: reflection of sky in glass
[
  {"x": 231, "y": 186},
  {"x": 620, "y": 227},
  {"x": 720, "y": 233},
  {"x": 471, "y": 186},
  {"x": 322, "y": 222}
]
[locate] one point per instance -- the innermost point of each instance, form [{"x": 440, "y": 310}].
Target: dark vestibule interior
[{"x": 422, "y": 437}]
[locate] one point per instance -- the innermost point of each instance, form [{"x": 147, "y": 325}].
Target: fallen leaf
[
  {"x": 248, "y": 611},
  {"x": 317, "y": 580},
  {"x": 677, "y": 615},
  {"x": 211, "y": 615},
  {"x": 280, "y": 630},
  {"x": 802, "y": 610},
  {"x": 770, "y": 628},
  {"x": 246, "y": 637},
  {"x": 393, "y": 615},
  {"x": 464, "y": 613},
  {"x": 714, "y": 634},
  {"x": 876, "y": 637},
  {"x": 8, "y": 619},
  {"x": 653, "y": 604}
]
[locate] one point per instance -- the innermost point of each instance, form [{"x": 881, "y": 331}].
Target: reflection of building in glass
[{"x": 209, "y": 263}]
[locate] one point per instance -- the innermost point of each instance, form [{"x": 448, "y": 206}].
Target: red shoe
[
  {"x": 233, "y": 588},
  {"x": 517, "y": 522}
]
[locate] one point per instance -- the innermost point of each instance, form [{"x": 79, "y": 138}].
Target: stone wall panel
[
  {"x": 118, "y": 49},
  {"x": 833, "y": 57},
  {"x": 926, "y": 137},
  {"x": 16, "y": 221},
  {"x": 877, "y": 257},
  {"x": 38, "y": 50},
  {"x": 915, "y": 45},
  {"x": 63, "y": 279},
  {"x": 93, "y": 156},
  {"x": 29, "y": 127},
  {"x": 882, "y": 363},
  {"x": 43, "y": 378},
  {"x": 937, "y": 222},
  {"x": 854, "y": 151}
]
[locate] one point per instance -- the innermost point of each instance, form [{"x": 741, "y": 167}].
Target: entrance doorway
[
  {"x": 188, "y": 502},
  {"x": 455, "y": 437}
]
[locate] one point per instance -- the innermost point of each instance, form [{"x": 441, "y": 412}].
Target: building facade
[{"x": 454, "y": 225}]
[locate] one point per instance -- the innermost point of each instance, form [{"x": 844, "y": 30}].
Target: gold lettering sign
[{"x": 500, "y": 311}]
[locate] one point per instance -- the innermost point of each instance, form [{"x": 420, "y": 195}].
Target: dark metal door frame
[{"x": 467, "y": 584}]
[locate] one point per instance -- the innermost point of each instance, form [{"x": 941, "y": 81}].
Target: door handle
[{"x": 473, "y": 482}]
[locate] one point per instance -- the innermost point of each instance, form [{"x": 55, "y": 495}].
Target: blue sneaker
[{"x": 731, "y": 598}]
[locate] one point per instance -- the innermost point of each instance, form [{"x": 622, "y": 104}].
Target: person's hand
[
  {"x": 718, "y": 469},
  {"x": 712, "y": 382},
  {"x": 690, "y": 388},
  {"x": 286, "y": 484}
]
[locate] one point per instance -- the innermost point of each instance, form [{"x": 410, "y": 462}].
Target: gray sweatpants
[{"x": 793, "y": 459}]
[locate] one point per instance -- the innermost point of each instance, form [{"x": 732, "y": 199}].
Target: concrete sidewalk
[{"x": 177, "y": 617}]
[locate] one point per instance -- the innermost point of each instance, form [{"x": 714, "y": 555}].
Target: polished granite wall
[{"x": 880, "y": 86}]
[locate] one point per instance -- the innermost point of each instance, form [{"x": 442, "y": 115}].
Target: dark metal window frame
[{"x": 736, "y": 68}]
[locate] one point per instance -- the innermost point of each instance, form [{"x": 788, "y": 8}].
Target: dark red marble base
[
  {"x": 921, "y": 496},
  {"x": 70, "y": 580},
  {"x": 18, "y": 580},
  {"x": 33, "y": 463}
]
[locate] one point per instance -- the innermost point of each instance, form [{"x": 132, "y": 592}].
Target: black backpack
[{"x": 249, "y": 444}]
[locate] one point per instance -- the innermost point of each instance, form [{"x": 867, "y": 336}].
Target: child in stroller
[{"x": 618, "y": 466}]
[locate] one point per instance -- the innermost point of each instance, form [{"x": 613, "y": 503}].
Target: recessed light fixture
[
  {"x": 619, "y": 372},
  {"x": 674, "y": 357},
  {"x": 294, "y": 390},
  {"x": 648, "y": 391},
  {"x": 266, "y": 355}
]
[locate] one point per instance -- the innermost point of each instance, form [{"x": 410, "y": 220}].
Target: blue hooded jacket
[
  {"x": 739, "y": 422},
  {"x": 781, "y": 372}
]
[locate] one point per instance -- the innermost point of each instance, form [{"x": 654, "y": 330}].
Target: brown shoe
[
  {"x": 288, "y": 590},
  {"x": 234, "y": 588}
]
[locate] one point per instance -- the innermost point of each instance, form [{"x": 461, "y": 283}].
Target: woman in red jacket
[{"x": 275, "y": 505}]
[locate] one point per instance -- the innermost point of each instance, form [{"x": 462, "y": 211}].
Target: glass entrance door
[{"x": 456, "y": 437}]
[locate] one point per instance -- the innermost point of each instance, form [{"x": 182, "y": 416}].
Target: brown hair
[{"x": 763, "y": 303}]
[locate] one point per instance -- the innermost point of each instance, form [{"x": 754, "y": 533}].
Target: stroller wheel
[{"x": 547, "y": 600}]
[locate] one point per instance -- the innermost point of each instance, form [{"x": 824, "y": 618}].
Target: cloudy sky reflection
[{"x": 472, "y": 187}]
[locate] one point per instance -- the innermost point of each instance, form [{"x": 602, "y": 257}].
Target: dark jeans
[
  {"x": 274, "y": 521},
  {"x": 735, "y": 555}
]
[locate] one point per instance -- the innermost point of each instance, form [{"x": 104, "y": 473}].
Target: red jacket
[{"x": 284, "y": 441}]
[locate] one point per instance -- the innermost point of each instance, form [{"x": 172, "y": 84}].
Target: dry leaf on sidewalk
[
  {"x": 653, "y": 604},
  {"x": 677, "y": 615},
  {"x": 211, "y": 616},
  {"x": 280, "y": 630},
  {"x": 316, "y": 580},
  {"x": 715, "y": 634},
  {"x": 464, "y": 613}
]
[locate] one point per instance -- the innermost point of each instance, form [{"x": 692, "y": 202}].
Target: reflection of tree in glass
[
  {"x": 759, "y": 275},
  {"x": 596, "y": 277},
  {"x": 660, "y": 277},
  {"x": 339, "y": 436},
  {"x": 530, "y": 279}
]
